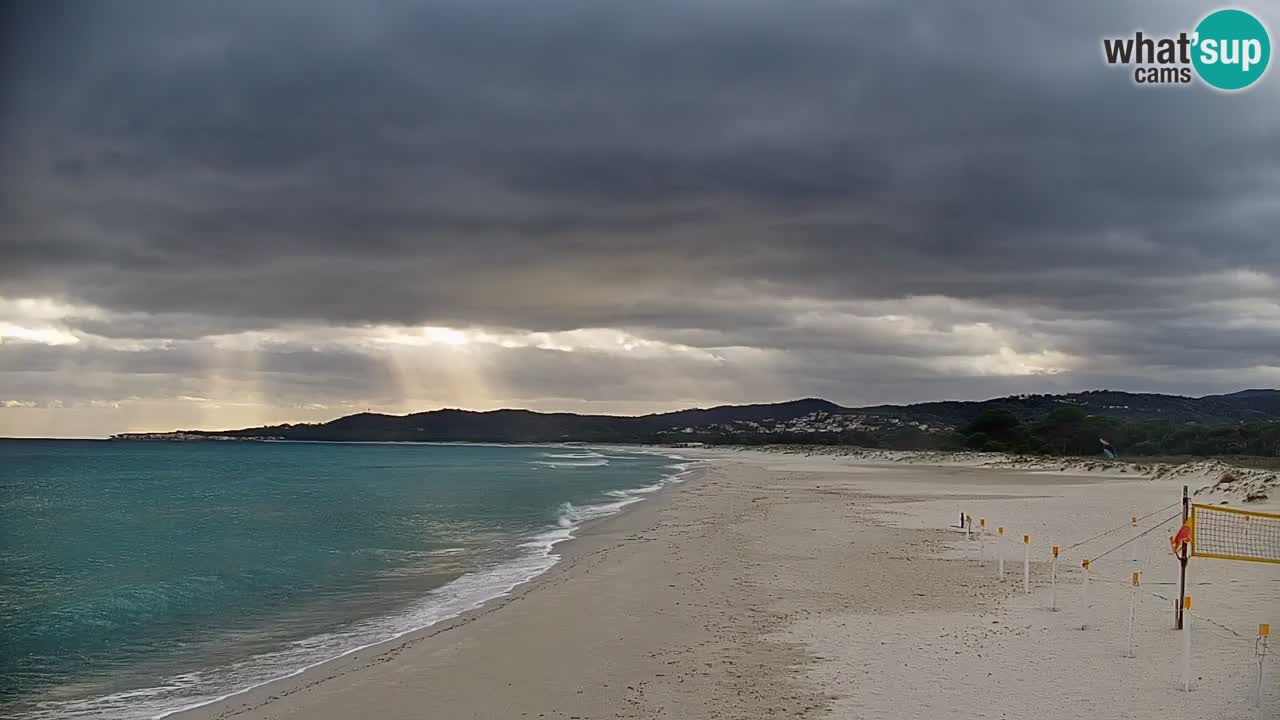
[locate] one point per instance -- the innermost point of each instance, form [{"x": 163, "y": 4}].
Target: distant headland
[{"x": 1241, "y": 423}]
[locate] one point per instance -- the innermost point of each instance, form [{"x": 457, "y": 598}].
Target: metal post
[{"x": 1182, "y": 559}]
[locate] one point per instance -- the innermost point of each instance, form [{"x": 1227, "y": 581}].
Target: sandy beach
[{"x": 812, "y": 586}]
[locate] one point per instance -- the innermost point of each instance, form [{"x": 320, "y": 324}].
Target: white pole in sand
[
  {"x": 1000, "y": 549},
  {"x": 1186, "y": 643},
  {"x": 968, "y": 527},
  {"x": 1084, "y": 597},
  {"x": 982, "y": 539},
  {"x": 1053, "y": 581},
  {"x": 1263, "y": 631},
  {"x": 1133, "y": 608},
  {"x": 1026, "y": 564}
]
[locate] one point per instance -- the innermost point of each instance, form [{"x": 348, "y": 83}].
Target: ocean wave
[
  {"x": 571, "y": 516},
  {"x": 635, "y": 491},
  {"x": 573, "y": 455},
  {"x": 594, "y": 462},
  {"x": 190, "y": 690},
  {"x": 679, "y": 472}
]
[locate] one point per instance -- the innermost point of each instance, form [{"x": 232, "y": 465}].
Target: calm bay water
[{"x": 140, "y": 578}]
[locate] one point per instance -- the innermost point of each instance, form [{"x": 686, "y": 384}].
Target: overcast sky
[{"x": 233, "y": 213}]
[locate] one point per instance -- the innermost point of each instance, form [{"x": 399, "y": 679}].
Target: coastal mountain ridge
[{"x": 809, "y": 415}]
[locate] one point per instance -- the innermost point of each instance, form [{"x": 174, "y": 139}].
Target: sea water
[{"x": 140, "y": 578}]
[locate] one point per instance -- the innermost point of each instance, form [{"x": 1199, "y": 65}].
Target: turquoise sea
[{"x": 140, "y": 578}]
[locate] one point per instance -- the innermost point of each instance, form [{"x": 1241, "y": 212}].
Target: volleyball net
[{"x": 1232, "y": 534}]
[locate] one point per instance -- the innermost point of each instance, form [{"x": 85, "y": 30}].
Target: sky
[{"x": 225, "y": 214}]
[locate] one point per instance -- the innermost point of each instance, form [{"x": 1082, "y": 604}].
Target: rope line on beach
[
  {"x": 1211, "y": 621},
  {"x": 1121, "y": 527},
  {"x": 1129, "y": 583},
  {"x": 1148, "y": 531}
]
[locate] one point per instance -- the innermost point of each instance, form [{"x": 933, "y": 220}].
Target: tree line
[{"x": 1067, "y": 431}]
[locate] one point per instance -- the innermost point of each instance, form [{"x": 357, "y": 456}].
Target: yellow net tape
[{"x": 1231, "y": 534}]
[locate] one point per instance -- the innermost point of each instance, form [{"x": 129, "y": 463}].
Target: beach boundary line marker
[
  {"x": 1026, "y": 564},
  {"x": 1000, "y": 551},
  {"x": 1053, "y": 581},
  {"x": 1084, "y": 597},
  {"x": 982, "y": 539},
  {"x": 1260, "y": 649},
  {"x": 1186, "y": 643},
  {"x": 1130, "y": 650}
]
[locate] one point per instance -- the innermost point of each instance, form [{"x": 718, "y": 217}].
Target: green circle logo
[{"x": 1232, "y": 49}]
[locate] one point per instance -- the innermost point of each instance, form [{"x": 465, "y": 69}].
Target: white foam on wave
[
  {"x": 571, "y": 516},
  {"x": 593, "y": 462},
  {"x": 634, "y": 491},
  {"x": 573, "y": 455},
  {"x": 180, "y": 693},
  {"x": 680, "y": 471}
]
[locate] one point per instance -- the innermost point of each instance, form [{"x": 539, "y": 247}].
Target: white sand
[
  {"x": 785, "y": 585},
  {"x": 1015, "y": 658}
]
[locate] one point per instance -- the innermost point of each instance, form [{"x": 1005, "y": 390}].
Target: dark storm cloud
[
  {"x": 293, "y": 375},
  {"x": 681, "y": 169}
]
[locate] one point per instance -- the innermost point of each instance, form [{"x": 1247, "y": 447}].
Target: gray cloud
[{"x": 713, "y": 173}]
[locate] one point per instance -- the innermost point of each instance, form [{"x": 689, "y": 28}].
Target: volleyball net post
[{"x": 1182, "y": 558}]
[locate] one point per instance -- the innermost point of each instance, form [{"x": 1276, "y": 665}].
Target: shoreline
[
  {"x": 673, "y": 599},
  {"x": 778, "y": 585},
  {"x": 564, "y": 551}
]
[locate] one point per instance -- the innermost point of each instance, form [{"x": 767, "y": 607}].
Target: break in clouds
[{"x": 220, "y": 214}]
